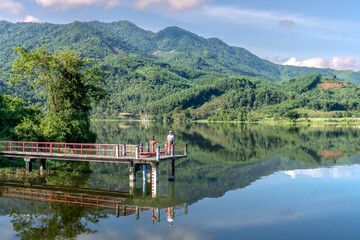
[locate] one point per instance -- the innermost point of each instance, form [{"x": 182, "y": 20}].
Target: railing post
[
  {"x": 158, "y": 153},
  {"x": 147, "y": 147},
  {"x": 137, "y": 152},
  {"x": 141, "y": 147},
  {"x": 117, "y": 151},
  {"x": 51, "y": 146},
  {"x": 185, "y": 150},
  {"x": 124, "y": 149}
]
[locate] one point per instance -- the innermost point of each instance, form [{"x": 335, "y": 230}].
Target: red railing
[
  {"x": 53, "y": 148},
  {"x": 87, "y": 149},
  {"x": 60, "y": 197}
]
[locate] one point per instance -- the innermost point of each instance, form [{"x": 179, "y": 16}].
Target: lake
[{"x": 238, "y": 182}]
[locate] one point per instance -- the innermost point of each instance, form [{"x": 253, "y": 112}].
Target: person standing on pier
[{"x": 170, "y": 141}]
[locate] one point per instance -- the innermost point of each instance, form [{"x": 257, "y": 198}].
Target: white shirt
[{"x": 170, "y": 138}]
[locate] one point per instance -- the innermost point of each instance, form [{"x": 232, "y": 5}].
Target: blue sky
[{"x": 315, "y": 33}]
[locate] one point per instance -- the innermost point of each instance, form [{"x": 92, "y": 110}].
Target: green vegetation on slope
[{"x": 175, "y": 73}]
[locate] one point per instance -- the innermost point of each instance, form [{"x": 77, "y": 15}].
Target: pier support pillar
[
  {"x": 28, "y": 163},
  {"x": 185, "y": 208},
  {"x": 172, "y": 151},
  {"x": 148, "y": 173},
  {"x": 171, "y": 170},
  {"x": 144, "y": 167},
  {"x": 154, "y": 179},
  {"x": 144, "y": 189},
  {"x": 42, "y": 164},
  {"x": 171, "y": 190},
  {"x": 132, "y": 172}
]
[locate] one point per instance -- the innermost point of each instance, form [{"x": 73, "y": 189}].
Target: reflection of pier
[{"x": 139, "y": 203}]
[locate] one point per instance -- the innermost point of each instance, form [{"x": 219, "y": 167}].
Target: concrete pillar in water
[
  {"x": 148, "y": 173},
  {"x": 171, "y": 170},
  {"x": 171, "y": 190},
  {"x": 132, "y": 172},
  {"x": 42, "y": 164},
  {"x": 28, "y": 163},
  {"x": 144, "y": 167},
  {"x": 144, "y": 189},
  {"x": 131, "y": 187},
  {"x": 154, "y": 179}
]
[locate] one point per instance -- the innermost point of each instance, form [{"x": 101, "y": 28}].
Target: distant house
[{"x": 125, "y": 115}]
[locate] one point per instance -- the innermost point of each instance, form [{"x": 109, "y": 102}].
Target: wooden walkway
[{"x": 120, "y": 153}]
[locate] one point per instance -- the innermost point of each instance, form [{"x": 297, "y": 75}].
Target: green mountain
[{"x": 168, "y": 71}]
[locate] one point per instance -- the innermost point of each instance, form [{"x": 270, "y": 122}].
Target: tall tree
[{"x": 70, "y": 84}]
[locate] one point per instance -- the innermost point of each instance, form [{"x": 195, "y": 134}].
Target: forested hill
[{"x": 169, "y": 71}]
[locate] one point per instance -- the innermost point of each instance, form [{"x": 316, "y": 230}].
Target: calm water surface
[{"x": 238, "y": 182}]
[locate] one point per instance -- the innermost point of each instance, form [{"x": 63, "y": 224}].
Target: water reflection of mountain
[
  {"x": 225, "y": 157},
  {"x": 221, "y": 158}
]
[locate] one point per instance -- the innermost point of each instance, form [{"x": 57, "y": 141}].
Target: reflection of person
[
  {"x": 168, "y": 215},
  {"x": 170, "y": 141}
]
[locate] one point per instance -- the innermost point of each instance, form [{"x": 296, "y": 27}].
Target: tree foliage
[{"x": 70, "y": 86}]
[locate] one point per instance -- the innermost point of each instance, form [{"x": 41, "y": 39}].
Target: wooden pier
[{"x": 139, "y": 157}]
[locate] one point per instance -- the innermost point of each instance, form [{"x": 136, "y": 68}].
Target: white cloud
[
  {"x": 338, "y": 63},
  {"x": 252, "y": 16},
  {"x": 10, "y": 6},
  {"x": 175, "y": 5},
  {"x": 29, "y": 18},
  {"x": 67, "y": 4},
  {"x": 349, "y": 172}
]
